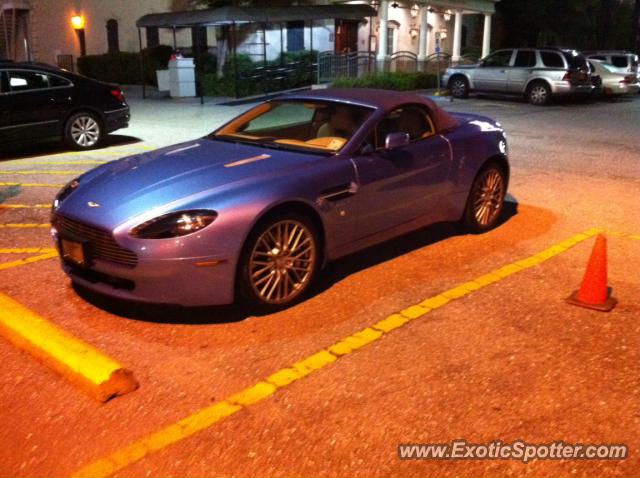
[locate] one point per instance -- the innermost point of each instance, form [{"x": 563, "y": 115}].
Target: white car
[
  {"x": 619, "y": 61},
  {"x": 612, "y": 82}
]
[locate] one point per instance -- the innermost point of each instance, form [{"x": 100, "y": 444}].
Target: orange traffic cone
[{"x": 594, "y": 292}]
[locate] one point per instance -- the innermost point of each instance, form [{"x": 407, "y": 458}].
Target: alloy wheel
[
  {"x": 85, "y": 131},
  {"x": 458, "y": 88},
  {"x": 282, "y": 261},
  {"x": 488, "y": 197},
  {"x": 538, "y": 95}
]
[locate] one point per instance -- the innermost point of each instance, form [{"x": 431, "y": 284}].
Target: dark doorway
[
  {"x": 295, "y": 36},
  {"x": 113, "y": 40},
  {"x": 346, "y": 36},
  {"x": 153, "y": 37}
]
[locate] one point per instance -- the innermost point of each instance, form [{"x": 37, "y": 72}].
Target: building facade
[{"x": 58, "y": 31}]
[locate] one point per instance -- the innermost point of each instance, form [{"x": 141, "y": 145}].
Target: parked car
[
  {"x": 620, "y": 61},
  {"x": 252, "y": 211},
  {"x": 41, "y": 101},
  {"x": 611, "y": 82},
  {"x": 537, "y": 74}
]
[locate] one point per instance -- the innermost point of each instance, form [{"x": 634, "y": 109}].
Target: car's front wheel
[
  {"x": 539, "y": 94},
  {"x": 278, "y": 262},
  {"x": 459, "y": 87},
  {"x": 83, "y": 131},
  {"x": 486, "y": 198}
]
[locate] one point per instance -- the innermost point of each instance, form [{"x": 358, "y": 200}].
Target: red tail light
[
  {"x": 118, "y": 95},
  {"x": 567, "y": 76},
  {"x": 627, "y": 80}
]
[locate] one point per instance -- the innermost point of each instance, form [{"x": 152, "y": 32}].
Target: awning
[{"x": 228, "y": 15}]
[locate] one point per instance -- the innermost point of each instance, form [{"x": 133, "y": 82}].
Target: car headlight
[
  {"x": 174, "y": 224},
  {"x": 65, "y": 191}
]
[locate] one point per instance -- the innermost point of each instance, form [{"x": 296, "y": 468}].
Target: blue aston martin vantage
[{"x": 253, "y": 211}]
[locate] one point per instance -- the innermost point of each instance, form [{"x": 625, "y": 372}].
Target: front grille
[{"x": 100, "y": 243}]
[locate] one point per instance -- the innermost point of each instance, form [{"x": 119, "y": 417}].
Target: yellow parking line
[
  {"x": 83, "y": 364},
  {"x": 27, "y": 250},
  {"x": 46, "y": 163},
  {"x": 24, "y": 225},
  {"x": 25, "y": 206},
  {"x": 28, "y": 260},
  {"x": 209, "y": 416},
  {"x": 42, "y": 172},
  {"x": 33, "y": 185},
  {"x": 624, "y": 235}
]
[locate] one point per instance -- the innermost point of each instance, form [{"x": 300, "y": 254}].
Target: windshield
[{"x": 321, "y": 126}]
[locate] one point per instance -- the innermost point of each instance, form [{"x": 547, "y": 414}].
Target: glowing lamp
[{"x": 77, "y": 22}]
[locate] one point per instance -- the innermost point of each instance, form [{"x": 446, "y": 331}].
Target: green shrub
[
  {"x": 124, "y": 67},
  {"x": 390, "y": 81}
]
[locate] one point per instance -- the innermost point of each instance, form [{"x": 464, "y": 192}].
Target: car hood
[{"x": 171, "y": 177}]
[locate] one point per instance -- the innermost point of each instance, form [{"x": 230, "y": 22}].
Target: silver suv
[{"x": 537, "y": 73}]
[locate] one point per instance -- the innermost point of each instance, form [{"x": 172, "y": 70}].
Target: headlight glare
[{"x": 174, "y": 224}]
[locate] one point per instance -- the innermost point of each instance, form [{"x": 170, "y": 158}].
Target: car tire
[
  {"x": 83, "y": 131},
  {"x": 459, "y": 87},
  {"x": 278, "y": 263},
  {"x": 539, "y": 93},
  {"x": 486, "y": 199}
]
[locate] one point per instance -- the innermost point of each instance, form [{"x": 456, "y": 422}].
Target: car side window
[
  {"x": 58, "y": 81},
  {"x": 598, "y": 57},
  {"x": 27, "y": 80},
  {"x": 551, "y": 59},
  {"x": 499, "y": 58},
  {"x": 525, "y": 58},
  {"x": 619, "y": 61},
  {"x": 411, "y": 119}
]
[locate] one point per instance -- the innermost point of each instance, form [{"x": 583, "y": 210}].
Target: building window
[
  {"x": 295, "y": 36},
  {"x": 113, "y": 42},
  {"x": 153, "y": 37},
  {"x": 390, "y": 37}
]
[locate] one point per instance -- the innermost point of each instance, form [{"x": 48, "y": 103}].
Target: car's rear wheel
[
  {"x": 486, "y": 198},
  {"x": 539, "y": 94},
  {"x": 83, "y": 131},
  {"x": 459, "y": 87},
  {"x": 279, "y": 262}
]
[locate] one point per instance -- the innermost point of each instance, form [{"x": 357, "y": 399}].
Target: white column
[
  {"x": 423, "y": 46},
  {"x": 486, "y": 36},
  {"x": 383, "y": 14},
  {"x": 457, "y": 37}
]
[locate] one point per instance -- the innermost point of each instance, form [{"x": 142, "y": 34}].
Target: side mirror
[
  {"x": 482, "y": 63},
  {"x": 396, "y": 140}
]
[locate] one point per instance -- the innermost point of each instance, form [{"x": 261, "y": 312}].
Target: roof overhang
[{"x": 229, "y": 15}]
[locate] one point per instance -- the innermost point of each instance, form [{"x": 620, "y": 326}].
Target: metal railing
[{"x": 333, "y": 65}]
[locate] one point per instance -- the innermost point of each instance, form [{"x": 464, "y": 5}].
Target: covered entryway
[{"x": 230, "y": 18}]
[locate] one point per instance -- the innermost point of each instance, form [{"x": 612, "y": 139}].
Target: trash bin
[{"x": 182, "y": 78}]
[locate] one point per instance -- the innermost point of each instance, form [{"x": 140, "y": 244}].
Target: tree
[
  {"x": 635, "y": 27},
  {"x": 581, "y": 24}
]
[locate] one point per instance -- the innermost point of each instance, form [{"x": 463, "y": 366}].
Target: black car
[{"x": 41, "y": 101}]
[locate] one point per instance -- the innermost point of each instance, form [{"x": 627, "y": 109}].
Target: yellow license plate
[{"x": 73, "y": 251}]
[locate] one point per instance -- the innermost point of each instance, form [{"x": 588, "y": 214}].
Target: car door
[
  {"x": 491, "y": 74},
  {"x": 399, "y": 185},
  {"x": 36, "y": 108},
  {"x": 523, "y": 64},
  {"x": 5, "y": 116}
]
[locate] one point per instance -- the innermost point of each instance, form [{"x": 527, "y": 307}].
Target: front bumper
[{"x": 165, "y": 281}]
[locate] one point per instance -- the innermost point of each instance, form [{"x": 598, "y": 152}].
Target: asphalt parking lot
[{"x": 434, "y": 336}]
